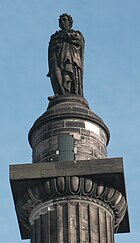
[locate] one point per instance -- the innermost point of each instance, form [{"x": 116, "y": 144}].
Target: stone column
[
  {"x": 78, "y": 201},
  {"x": 71, "y": 221},
  {"x": 71, "y": 209}
]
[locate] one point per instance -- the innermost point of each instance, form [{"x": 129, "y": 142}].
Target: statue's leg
[
  {"x": 67, "y": 80},
  {"x": 56, "y": 80},
  {"x": 58, "y": 74}
]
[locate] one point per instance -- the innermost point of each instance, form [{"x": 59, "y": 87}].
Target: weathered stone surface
[
  {"x": 72, "y": 221},
  {"x": 34, "y": 184},
  {"x": 90, "y": 134},
  {"x": 94, "y": 167}
]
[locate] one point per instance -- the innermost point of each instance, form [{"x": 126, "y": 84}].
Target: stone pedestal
[
  {"x": 77, "y": 201},
  {"x": 68, "y": 114}
]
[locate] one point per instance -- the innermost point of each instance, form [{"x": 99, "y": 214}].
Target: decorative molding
[
  {"x": 50, "y": 205},
  {"x": 79, "y": 187}
]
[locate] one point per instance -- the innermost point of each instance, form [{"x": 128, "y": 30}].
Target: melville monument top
[
  {"x": 71, "y": 192},
  {"x": 66, "y": 58}
]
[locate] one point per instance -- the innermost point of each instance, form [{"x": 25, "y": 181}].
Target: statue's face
[{"x": 64, "y": 23}]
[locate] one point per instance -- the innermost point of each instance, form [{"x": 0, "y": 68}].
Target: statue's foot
[{"x": 52, "y": 97}]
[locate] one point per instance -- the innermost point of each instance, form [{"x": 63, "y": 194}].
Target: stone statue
[{"x": 66, "y": 57}]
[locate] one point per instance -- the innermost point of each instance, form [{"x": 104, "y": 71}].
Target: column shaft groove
[{"x": 72, "y": 221}]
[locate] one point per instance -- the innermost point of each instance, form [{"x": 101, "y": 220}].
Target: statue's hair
[{"x": 69, "y": 18}]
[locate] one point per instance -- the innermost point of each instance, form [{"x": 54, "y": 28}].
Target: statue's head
[{"x": 65, "y": 21}]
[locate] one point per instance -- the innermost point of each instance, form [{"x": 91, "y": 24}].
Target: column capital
[{"x": 84, "y": 181}]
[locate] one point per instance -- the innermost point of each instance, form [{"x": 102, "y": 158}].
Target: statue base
[{"x": 68, "y": 114}]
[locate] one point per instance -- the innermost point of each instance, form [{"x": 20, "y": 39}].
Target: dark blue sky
[{"x": 111, "y": 86}]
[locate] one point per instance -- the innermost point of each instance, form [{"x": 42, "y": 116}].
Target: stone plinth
[
  {"x": 68, "y": 115},
  {"x": 71, "y": 202}
]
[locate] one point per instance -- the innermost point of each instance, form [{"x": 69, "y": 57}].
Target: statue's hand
[{"x": 76, "y": 36}]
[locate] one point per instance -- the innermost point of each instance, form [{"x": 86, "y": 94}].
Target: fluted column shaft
[{"x": 71, "y": 221}]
